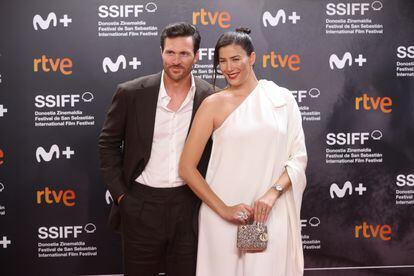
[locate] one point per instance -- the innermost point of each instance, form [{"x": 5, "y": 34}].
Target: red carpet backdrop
[{"x": 350, "y": 65}]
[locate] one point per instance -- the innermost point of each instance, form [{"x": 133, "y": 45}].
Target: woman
[{"x": 256, "y": 169}]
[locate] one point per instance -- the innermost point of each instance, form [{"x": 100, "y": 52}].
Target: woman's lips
[{"x": 232, "y": 76}]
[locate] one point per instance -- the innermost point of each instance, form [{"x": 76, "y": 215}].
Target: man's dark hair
[{"x": 181, "y": 29}]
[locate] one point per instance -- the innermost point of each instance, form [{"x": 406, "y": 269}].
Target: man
[{"x": 140, "y": 147}]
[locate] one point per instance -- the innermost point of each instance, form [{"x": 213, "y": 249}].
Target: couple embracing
[{"x": 171, "y": 139}]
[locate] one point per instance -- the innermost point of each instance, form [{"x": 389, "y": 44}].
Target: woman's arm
[{"x": 201, "y": 130}]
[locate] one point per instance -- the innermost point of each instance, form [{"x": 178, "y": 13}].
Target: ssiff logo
[
  {"x": 64, "y": 232},
  {"x": 373, "y": 103},
  {"x": 303, "y": 94},
  {"x": 121, "y": 61},
  {"x": 313, "y": 222},
  {"x": 269, "y": 19},
  {"x": 54, "y": 151},
  {"x": 45, "y": 64},
  {"x": 286, "y": 61},
  {"x": 352, "y": 8},
  {"x": 51, "y": 101},
  {"x": 352, "y": 138},
  {"x": 348, "y": 188},
  {"x": 405, "y": 52},
  {"x": 203, "y": 17},
  {"x": 369, "y": 231},
  {"x": 125, "y": 11},
  {"x": 405, "y": 180},
  {"x": 339, "y": 63},
  {"x": 44, "y": 24}
]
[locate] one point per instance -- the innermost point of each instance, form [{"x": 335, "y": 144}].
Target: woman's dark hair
[
  {"x": 239, "y": 37},
  {"x": 181, "y": 29}
]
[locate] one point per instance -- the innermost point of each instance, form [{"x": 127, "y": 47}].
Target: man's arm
[{"x": 110, "y": 145}]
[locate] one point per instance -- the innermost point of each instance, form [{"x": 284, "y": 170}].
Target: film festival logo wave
[
  {"x": 54, "y": 151},
  {"x": 268, "y": 19},
  {"x": 121, "y": 62},
  {"x": 335, "y": 62},
  {"x": 39, "y": 23}
]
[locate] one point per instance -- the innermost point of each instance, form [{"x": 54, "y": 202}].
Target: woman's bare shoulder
[{"x": 217, "y": 98}]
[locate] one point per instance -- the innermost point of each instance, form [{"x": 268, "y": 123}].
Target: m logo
[
  {"x": 42, "y": 154},
  {"x": 44, "y": 24},
  {"x": 121, "y": 61},
  {"x": 339, "y": 63},
  {"x": 108, "y": 197},
  {"x": 340, "y": 192},
  {"x": 273, "y": 21},
  {"x": 38, "y": 21},
  {"x": 114, "y": 66},
  {"x": 335, "y": 191}
]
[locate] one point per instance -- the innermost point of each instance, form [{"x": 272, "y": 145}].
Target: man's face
[{"x": 178, "y": 57}]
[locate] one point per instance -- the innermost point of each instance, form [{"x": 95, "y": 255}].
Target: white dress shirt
[{"x": 170, "y": 132}]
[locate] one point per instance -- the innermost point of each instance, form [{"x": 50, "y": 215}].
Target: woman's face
[{"x": 235, "y": 64}]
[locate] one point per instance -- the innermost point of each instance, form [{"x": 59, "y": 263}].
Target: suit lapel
[
  {"x": 198, "y": 98},
  {"x": 146, "y": 107}
]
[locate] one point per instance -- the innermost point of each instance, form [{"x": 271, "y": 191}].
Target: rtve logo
[
  {"x": 369, "y": 231},
  {"x": 124, "y": 11},
  {"x": 3, "y": 110},
  {"x": 303, "y": 94},
  {"x": 121, "y": 61},
  {"x": 45, "y": 64},
  {"x": 404, "y": 52},
  {"x": 339, "y": 63},
  {"x": 51, "y": 101},
  {"x": 1, "y": 157},
  {"x": 44, "y": 24},
  {"x": 273, "y": 21},
  {"x": 290, "y": 62},
  {"x": 352, "y": 8},
  {"x": 48, "y": 196},
  {"x": 370, "y": 103},
  {"x": 47, "y": 156},
  {"x": 64, "y": 232},
  {"x": 203, "y": 17},
  {"x": 405, "y": 180},
  {"x": 352, "y": 138},
  {"x": 348, "y": 188}
]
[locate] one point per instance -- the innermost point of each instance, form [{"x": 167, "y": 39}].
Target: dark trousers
[{"x": 159, "y": 231}]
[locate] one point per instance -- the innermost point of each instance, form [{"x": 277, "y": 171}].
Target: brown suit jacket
[{"x": 126, "y": 137}]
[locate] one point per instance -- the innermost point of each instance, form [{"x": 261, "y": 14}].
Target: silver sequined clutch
[{"x": 252, "y": 237}]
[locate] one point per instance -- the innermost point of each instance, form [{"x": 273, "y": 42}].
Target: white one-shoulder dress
[{"x": 252, "y": 147}]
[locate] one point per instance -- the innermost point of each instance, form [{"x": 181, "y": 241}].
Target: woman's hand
[
  {"x": 238, "y": 214},
  {"x": 263, "y": 206}
]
